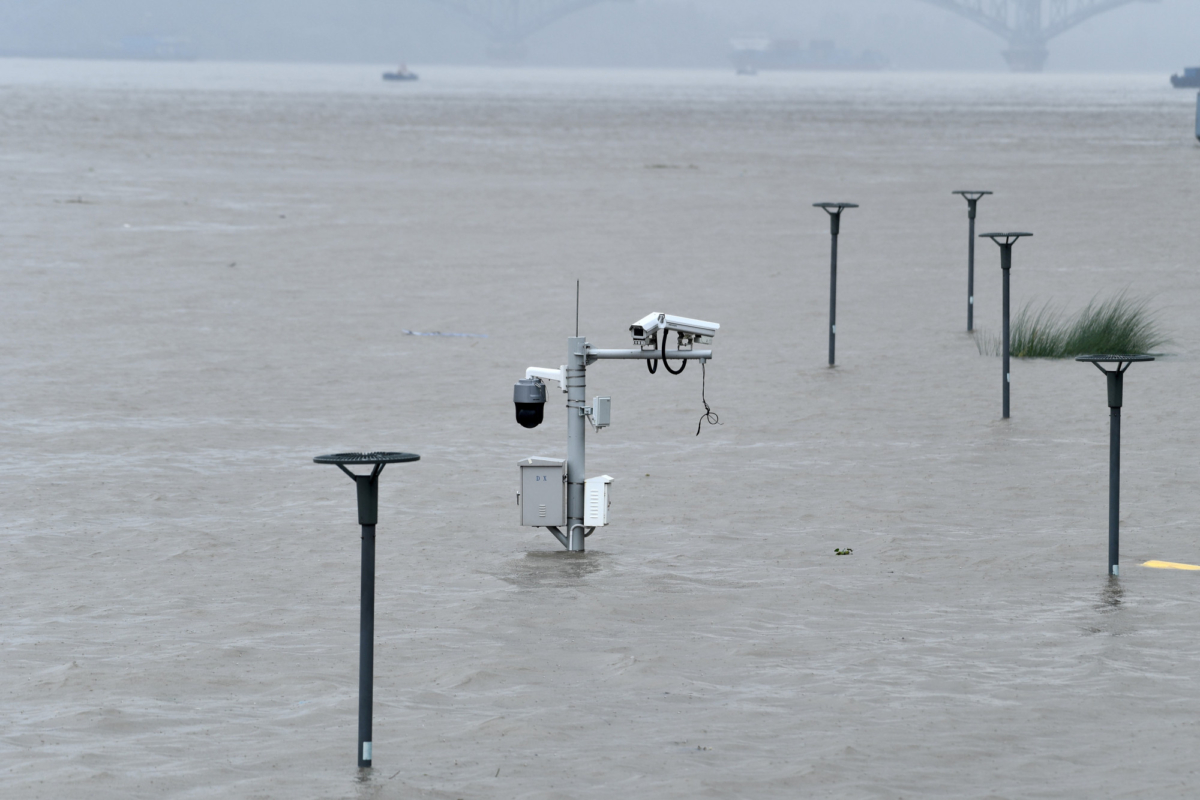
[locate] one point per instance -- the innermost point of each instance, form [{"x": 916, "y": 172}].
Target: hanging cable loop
[
  {"x": 682, "y": 366},
  {"x": 710, "y": 416}
]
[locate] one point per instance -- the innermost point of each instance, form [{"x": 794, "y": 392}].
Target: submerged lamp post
[
  {"x": 972, "y": 199},
  {"x": 368, "y": 512},
  {"x": 1116, "y": 381},
  {"x": 1006, "y": 242},
  {"x": 834, "y": 210}
]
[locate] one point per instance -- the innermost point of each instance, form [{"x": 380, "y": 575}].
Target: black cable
[
  {"x": 709, "y": 415},
  {"x": 682, "y": 367},
  {"x": 652, "y": 365}
]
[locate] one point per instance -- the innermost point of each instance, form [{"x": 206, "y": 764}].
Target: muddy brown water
[{"x": 208, "y": 270}]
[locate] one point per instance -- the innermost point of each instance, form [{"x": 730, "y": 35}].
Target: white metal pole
[{"x": 576, "y": 401}]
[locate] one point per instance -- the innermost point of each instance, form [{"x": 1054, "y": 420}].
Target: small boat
[
  {"x": 401, "y": 74},
  {"x": 1190, "y": 79}
]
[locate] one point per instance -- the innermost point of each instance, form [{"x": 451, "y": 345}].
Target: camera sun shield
[{"x": 644, "y": 331}]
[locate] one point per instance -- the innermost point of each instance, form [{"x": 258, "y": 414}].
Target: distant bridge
[{"x": 1027, "y": 25}]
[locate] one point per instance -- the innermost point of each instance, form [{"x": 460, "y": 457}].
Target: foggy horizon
[{"x": 910, "y": 35}]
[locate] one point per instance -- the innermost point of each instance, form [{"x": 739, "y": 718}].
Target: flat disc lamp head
[
  {"x": 378, "y": 460},
  {"x": 367, "y": 458},
  {"x": 1123, "y": 362},
  {"x": 1005, "y": 239}
]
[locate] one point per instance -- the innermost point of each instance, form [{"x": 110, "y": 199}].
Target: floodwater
[{"x": 208, "y": 270}]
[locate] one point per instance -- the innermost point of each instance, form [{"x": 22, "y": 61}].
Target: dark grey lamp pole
[
  {"x": 1006, "y": 242},
  {"x": 972, "y": 199},
  {"x": 834, "y": 210},
  {"x": 1116, "y": 385},
  {"x": 368, "y": 513}
]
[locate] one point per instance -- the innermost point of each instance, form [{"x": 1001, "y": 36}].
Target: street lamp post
[
  {"x": 368, "y": 513},
  {"x": 1006, "y": 242},
  {"x": 1116, "y": 385},
  {"x": 972, "y": 199},
  {"x": 834, "y": 210}
]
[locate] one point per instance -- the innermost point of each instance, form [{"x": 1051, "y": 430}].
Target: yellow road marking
[{"x": 1169, "y": 565}]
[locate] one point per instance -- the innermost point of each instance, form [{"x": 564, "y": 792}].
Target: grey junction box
[{"x": 543, "y": 495}]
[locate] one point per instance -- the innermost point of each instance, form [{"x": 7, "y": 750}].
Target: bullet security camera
[
  {"x": 645, "y": 330},
  {"x": 529, "y": 396}
]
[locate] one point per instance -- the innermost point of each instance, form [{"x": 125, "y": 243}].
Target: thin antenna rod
[{"x": 577, "y": 309}]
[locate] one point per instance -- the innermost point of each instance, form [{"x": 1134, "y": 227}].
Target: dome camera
[{"x": 529, "y": 396}]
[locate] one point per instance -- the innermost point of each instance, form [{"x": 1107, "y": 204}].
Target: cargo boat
[
  {"x": 401, "y": 74},
  {"x": 1190, "y": 79},
  {"x": 753, "y": 53}
]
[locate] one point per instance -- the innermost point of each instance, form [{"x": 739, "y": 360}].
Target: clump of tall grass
[{"x": 1121, "y": 325}]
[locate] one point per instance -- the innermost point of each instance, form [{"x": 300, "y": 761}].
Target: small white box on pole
[
  {"x": 595, "y": 501},
  {"x": 601, "y": 411}
]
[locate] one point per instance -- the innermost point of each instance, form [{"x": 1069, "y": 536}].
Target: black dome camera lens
[{"x": 530, "y": 415}]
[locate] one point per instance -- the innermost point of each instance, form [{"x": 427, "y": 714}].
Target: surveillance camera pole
[
  {"x": 1116, "y": 381},
  {"x": 972, "y": 199},
  {"x": 579, "y": 355},
  {"x": 1006, "y": 242},
  {"x": 576, "y": 377},
  {"x": 834, "y": 210}
]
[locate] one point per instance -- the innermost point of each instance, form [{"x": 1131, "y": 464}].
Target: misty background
[{"x": 1141, "y": 37}]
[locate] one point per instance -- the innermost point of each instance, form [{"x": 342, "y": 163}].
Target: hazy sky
[{"x": 1161, "y": 36}]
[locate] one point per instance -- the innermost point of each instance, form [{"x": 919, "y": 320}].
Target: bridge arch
[{"x": 1027, "y": 25}]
